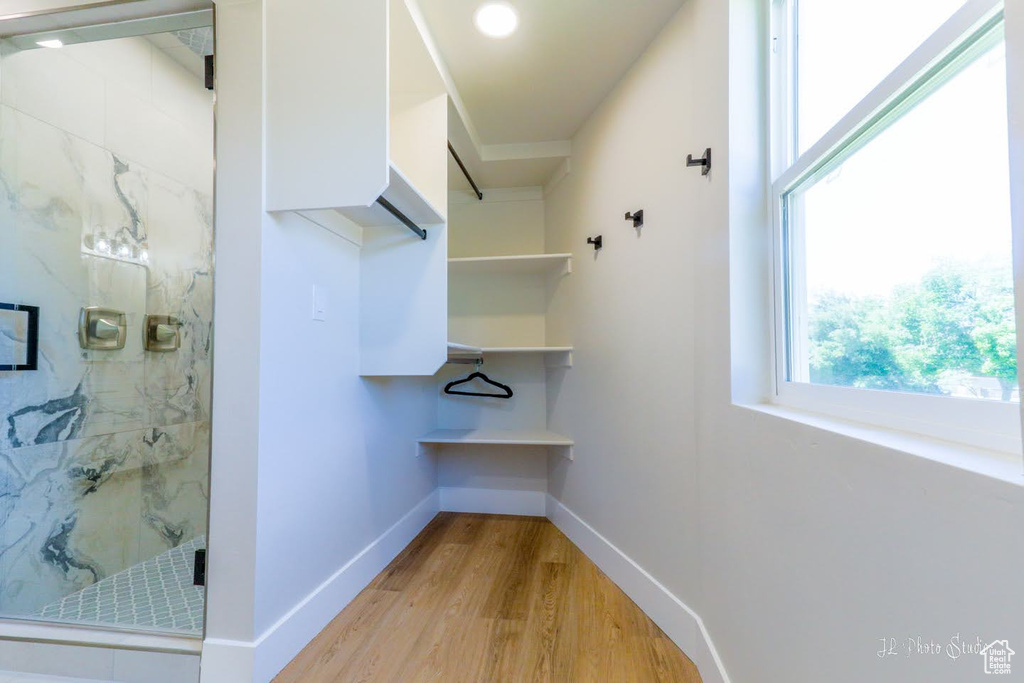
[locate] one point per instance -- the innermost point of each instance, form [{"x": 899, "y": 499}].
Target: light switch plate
[{"x": 320, "y": 303}]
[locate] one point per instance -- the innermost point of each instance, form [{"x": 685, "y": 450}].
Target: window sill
[{"x": 994, "y": 464}]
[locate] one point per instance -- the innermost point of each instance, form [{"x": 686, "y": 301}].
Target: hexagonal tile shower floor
[{"x": 157, "y": 594}]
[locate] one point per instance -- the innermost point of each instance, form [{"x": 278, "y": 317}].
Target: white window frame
[{"x": 987, "y": 424}]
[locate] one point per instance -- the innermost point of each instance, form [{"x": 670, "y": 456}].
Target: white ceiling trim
[
  {"x": 496, "y": 195},
  {"x": 446, "y": 76},
  {"x": 526, "y": 150}
]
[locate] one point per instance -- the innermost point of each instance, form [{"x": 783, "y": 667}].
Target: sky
[{"x": 934, "y": 186}]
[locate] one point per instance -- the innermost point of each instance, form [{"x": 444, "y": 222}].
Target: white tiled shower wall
[{"x": 103, "y": 455}]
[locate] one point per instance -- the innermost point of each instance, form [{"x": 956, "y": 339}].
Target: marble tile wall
[{"x": 104, "y": 455}]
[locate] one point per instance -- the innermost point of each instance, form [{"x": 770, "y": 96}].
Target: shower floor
[{"x": 156, "y": 594}]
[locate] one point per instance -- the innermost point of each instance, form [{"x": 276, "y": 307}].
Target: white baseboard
[
  {"x": 494, "y": 501},
  {"x": 671, "y": 614},
  {"x": 226, "y": 661}
]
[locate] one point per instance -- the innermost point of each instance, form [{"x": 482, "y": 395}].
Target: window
[{"x": 894, "y": 274}]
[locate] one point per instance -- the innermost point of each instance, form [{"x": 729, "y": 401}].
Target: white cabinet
[{"x": 356, "y": 125}]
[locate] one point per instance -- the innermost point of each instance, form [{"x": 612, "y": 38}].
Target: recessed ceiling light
[
  {"x": 50, "y": 43},
  {"x": 496, "y": 19}
]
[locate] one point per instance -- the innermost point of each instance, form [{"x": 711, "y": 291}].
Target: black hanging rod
[
  {"x": 402, "y": 217},
  {"x": 465, "y": 171}
]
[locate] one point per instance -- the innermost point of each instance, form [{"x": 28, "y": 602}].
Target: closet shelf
[
  {"x": 404, "y": 196},
  {"x": 496, "y": 437},
  {"x": 527, "y": 349},
  {"x": 463, "y": 349},
  {"x": 555, "y": 356},
  {"x": 511, "y": 265}
]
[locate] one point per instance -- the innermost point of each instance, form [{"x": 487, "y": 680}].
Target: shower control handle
[
  {"x": 161, "y": 333},
  {"x": 165, "y": 333},
  {"x": 105, "y": 329},
  {"x": 102, "y": 329}
]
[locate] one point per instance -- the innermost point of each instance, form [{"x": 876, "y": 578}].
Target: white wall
[
  {"x": 334, "y": 465},
  {"x": 506, "y": 223},
  {"x": 628, "y": 401},
  {"x": 338, "y": 464},
  {"x": 800, "y": 548}
]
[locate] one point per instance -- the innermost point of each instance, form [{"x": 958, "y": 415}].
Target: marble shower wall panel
[
  {"x": 76, "y": 393},
  {"x": 75, "y": 512},
  {"x": 175, "y": 486},
  {"x": 181, "y": 285},
  {"x": 104, "y": 456}
]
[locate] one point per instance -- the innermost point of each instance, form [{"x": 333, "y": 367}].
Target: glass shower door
[{"x": 106, "y": 195}]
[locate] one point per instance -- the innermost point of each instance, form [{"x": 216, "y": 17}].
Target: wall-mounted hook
[
  {"x": 705, "y": 161},
  {"x": 637, "y": 218},
  {"x": 598, "y": 242}
]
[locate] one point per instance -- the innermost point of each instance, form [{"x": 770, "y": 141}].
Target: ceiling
[
  {"x": 187, "y": 47},
  {"x": 541, "y": 83}
]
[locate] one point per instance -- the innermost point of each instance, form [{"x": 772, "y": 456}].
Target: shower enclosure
[{"x": 106, "y": 309}]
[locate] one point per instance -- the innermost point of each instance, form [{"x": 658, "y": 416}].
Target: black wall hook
[
  {"x": 598, "y": 242},
  {"x": 705, "y": 161},
  {"x": 637, "y": 218}
]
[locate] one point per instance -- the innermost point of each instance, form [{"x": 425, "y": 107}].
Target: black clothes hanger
[{"x": 485, "y": 378}]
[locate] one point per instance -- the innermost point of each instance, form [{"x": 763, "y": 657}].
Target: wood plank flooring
[{"x": 482, "y": 598}]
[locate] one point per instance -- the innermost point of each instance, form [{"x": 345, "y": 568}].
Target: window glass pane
[
  {"x": 847, "y": 48},
  {"x": 901, "y": 273}
]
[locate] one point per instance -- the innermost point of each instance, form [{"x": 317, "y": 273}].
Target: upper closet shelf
[
  {"x": 527, "y": 349},
  {"x": 501, "y": 265},
  {"x": 401, "y": 194}
]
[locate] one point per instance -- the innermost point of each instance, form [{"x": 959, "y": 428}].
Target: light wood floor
[{"x": 482, "y": 598}]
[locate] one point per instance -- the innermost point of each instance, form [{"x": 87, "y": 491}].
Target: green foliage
[{"x": 957, "y": 322}]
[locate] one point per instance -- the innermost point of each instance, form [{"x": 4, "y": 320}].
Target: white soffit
[{"x": 542, "y": 82}]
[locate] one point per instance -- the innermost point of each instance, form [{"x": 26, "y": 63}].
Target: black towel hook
[
  {"x": 704, "y": 161},
  {"x": 637, "y": 218}
]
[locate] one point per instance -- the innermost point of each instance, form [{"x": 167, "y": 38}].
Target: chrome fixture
[
  {"x": 102, "y": 329},
  {"x": 161, "y": 333}
]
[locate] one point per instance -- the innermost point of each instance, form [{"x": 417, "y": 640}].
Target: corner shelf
[
  {"x": 511, "y": 265},
  {"x": 498, "y": 437}
]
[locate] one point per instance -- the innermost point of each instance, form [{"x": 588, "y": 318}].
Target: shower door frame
[{"x": 57, "y": 633}]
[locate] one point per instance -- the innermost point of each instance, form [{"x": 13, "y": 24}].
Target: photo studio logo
[{"x": 997, "y": 655}]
